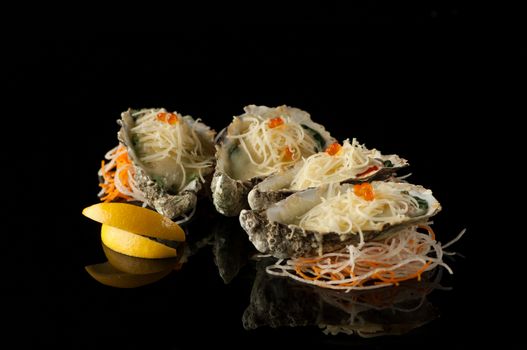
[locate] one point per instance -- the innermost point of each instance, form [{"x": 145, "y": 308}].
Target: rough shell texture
[
  {"x": 168, "y": 204},
  {"x": 270, "y": 232},
  {"x": 171, "y": 206},
  {"x": 289, "y": 241},
  {"x": 230, "y": 194},
  {"x": 277, "y": 186}
]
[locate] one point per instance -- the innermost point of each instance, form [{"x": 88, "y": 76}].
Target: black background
[{"x": 421, "y": 93}]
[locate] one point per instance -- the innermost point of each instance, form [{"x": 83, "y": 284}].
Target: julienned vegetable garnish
[
  {"x": 118, "y": 177},
  {"x": 402, "y": 256}
]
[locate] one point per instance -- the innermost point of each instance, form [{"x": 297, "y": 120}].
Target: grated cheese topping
[
  {"x": 352, "y": 160},
  {"x": 273, "y": 140},
  {"x": 345, "y": 211},
  {"x": 169, "y": 148}
]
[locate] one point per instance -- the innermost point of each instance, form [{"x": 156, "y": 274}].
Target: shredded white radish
[
  {"x": 402, "y": 256},
  {"x": 129, "y": 192}
]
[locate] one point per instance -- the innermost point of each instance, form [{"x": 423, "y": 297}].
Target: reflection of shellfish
[
  {"x": 327, "y": 218},
  {"x": 257, "y": 144},
  {"x": 168, "y": 158},
  {"x": 281, "y": 302},
  {"x": 350, "y": 162}
]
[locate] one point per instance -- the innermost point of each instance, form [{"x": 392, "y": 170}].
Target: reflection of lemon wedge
[
  {"x": 134, "y": 245},
  {"x": 135, "y": 219},
  {"x": 110, "y": 276},
  {"x": 138, "y": 266}
]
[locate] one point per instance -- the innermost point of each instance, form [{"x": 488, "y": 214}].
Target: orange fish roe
[
  {"x": 333, "y": 149},
  {"x": 274, "y": 122},
  {"x": 364, "y": 190},
  {"x": 169, "y": 118}
]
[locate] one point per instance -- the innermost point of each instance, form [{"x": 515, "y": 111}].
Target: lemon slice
[
  {"x": 108, "y": 275},
  {"x": 138, "y": 266},
  {"x": 129, "y": 243},
  {"x": 135, "y": 219}
]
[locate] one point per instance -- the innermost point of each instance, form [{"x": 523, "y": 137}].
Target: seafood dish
[
  {"x": 327, "y": 218},
  {"x": 350, "y": 162},
  {"x": 256, "y": 144},
  {"x": 164, "y": 160}
]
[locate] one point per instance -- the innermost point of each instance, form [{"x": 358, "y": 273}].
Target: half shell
[
  {"x": 276, "y": 230},
  {"x": 279, "y": 186},
  {"x": 157, "y": 181},
  {"x": 235, "y": 175}
]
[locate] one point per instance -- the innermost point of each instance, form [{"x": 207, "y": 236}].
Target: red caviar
[
  {"x": 333, "y": 149},
  {"x": 364, "y": 190},
  {"x": 169, "y": 118},
  {"x": 274, "y": 122}
]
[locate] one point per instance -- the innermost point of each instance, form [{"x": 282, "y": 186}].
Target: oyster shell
[
  {"x": 166, "y": 188},
  {"x": 281, "y": 185},
  {"x": 276, "y": 230},
  {"x": 235, "y": 174}
]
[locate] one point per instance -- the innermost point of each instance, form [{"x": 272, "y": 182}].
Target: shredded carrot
[
  {"x": 381, "y": 276},
  {"x": 429, "y": 230},
  {"x": 299, "y": 272},
  {"x": 122, "y": 163},
  {"x": 333, "y": 149},
  {"x": 364, "y": 190},
  {"x": 371, "y": 266},
  {"x": 274, "y": 122}
]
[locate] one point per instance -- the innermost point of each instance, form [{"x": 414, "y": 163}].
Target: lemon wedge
[
  {"x": 135, "y": 219},
  {"x": 129, "y": 243},
  {"x": 137, "y": 266},
  {"x": 108, "y": 275}
]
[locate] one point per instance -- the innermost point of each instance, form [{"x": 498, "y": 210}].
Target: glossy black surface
[{"x": 417, "y": 98}]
